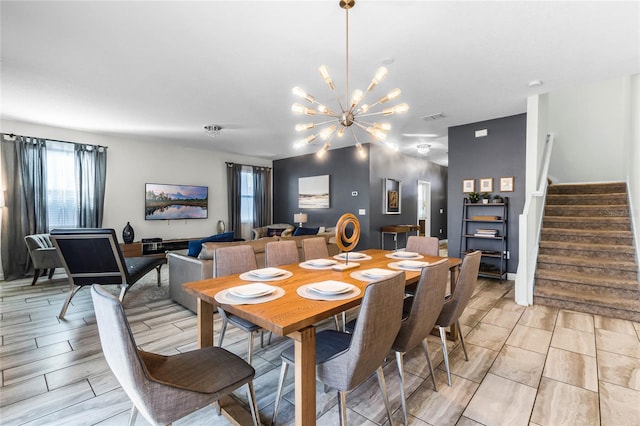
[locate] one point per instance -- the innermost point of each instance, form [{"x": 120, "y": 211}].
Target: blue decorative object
[
  {"x": 128, "y": 234},
  {"x": 195, "y": 246},
  {"x": 305, "y": 231}
]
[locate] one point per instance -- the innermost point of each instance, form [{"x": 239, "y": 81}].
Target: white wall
[
  {"x": 633, "y": 159},
  {"x": 590, "y": 125},
  {"x": 132, "y": 163}
]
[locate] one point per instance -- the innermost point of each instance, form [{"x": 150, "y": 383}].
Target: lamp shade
[{"x": 300, "y": 218}]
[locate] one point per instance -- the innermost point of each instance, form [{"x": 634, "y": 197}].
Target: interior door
[{"x": 424, "y": 206}]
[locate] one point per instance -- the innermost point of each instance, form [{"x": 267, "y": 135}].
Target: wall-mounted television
[{"x": 167, "y": 202}]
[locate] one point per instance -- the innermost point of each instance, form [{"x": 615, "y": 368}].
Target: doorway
[{"x": 424, "y": 207}]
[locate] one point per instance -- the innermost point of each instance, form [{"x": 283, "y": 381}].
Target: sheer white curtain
[{"x": 62, "y": 196}]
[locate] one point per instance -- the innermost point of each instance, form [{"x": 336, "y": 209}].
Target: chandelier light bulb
[
  {"x": 389, "y": 96},
  {"x": 301, "y": 109},
  {"x": 326, "y": 133},
  {"x": 324, "y": 72},
  {"x": 299, "y": 92},
  {"x": 364, "y": 108},
  {"x": 383, "y": 126},
  {"x": 341, "y": 131},
  {"x": 303, "y": 127},
  {"x": 361, "y": 152},
  {"x": 356, "y": 98},
  {"x": 324, "y": 110},
  {"x": 305, "y": 141},
  {"x": 377, "y": 78},
  {"x": 323, "y": 150},
  {"x": 398, "y": 109}
]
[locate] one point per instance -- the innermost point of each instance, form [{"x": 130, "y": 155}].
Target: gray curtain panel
[
  {"x": 234, "y": 193},
  {"x": 91, "y": 176},
  {"x": 24, "y": 173},
  {"x": 261, "y": 196}
]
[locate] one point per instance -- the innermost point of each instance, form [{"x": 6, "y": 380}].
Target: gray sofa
[{"x": 184, "y": 268}]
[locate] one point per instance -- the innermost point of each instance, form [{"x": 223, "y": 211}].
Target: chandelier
[
  {"x": 353, "y": 113},
  {"x": 423, "y": 148}
]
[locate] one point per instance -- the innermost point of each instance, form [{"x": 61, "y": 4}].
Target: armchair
[
  {"x": 44, "y": 255},
  {"x": 93, "y": 256}
]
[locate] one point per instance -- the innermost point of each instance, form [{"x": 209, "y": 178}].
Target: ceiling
[{"x": 162, "y": 70}]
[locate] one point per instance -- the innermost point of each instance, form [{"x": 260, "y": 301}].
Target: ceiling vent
[{"x": 432, "y": 117}]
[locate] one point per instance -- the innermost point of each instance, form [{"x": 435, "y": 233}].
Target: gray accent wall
[
  {"x": 499, "y": 154},
  {"x": 348, "y": 173}
]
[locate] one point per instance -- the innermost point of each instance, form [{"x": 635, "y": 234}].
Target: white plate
[
  {"x": 251, "y": 290},
  {"x": 377, "y": 272},
  {"x": 354, "y": 255},
  {"x": 321, "y": 262},
  {"x": 413, "y": 264},
  {"x": 268, "y": 272},
  {"x": 331, "y": 287},
  {"x": 406, "y": 254}
]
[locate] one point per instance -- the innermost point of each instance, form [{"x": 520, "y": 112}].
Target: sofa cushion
[
  {"x": 195, "y": 246},
  {"x": 305, "y": 231},
  {"x": 274, "y": 232},
  {"x": 258, "y": 246}
]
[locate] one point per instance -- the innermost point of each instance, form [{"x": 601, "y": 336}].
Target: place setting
[
  {"x": 249, "y": 294},
  {"x": 373, "y": 274},
  {"x": 328, "y": 290},
  {"x": 318, "y": 264},
  {"x": 266, "y": 274},
  {"x": 409, "y": 265},
  {"x": 404, "y": 255},
  {"x": 354, "y": 255}
]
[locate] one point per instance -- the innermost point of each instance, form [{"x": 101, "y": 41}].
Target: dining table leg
[
  {"x": 205, "y": 324},
  {"x": 305, "y": 376}
]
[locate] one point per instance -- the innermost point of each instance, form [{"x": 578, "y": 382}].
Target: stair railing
[{"x": 530, "y": 225}]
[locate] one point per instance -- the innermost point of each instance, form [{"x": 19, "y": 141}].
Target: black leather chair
[{"x": 93, "y": 256}]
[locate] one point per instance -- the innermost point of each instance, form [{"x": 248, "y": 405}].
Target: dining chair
[
  {"x": 344, "y": 361},
  {"x": 456, "y": 303},
  {"x": 314, "y": 248},
  {"x": 236, "y": 260},
  {"x": 93, "y": 256},
  {"x": 278, "y": 253},
  {"x": 419, "y": 317},
  {"x": 428, "y": 246},
  {"x": 166, "y": 388}
]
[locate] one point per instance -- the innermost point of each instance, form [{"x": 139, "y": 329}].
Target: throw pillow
[
  {"x": 274, "y": 232},
  {"x": 195, "y": 246},
  {"x": 305, "y": 231}
]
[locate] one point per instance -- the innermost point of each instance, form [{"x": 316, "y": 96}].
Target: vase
[
  {"x": 128, "y": 234},
  {"x": 221, "y": 227}
]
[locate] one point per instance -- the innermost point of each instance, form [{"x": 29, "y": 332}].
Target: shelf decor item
[
  {"x": 221, "y": 227},
  {"x": 485, "y": 197},
  {"x": 473, "y": 197},
  {"x": 392, "y": 196},
  {"x": 128, "y": 234}
]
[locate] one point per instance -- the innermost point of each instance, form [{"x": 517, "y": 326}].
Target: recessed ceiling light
[
  {"x": 435, "y": 116},
  {"x": 420, "y": 135},
  {"x": 535, "y": 83}
]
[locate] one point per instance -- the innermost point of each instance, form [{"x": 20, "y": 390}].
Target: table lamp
[{"x": 300, "y": 218}]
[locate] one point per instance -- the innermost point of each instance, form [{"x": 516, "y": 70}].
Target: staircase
[{"x": 586, "y": 259}]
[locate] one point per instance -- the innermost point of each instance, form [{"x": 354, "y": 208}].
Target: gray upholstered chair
[
  {"x": 344, "y": 361},
  {"x": 44, "y": 255},
  {"x": 93, "y": 256},
  {"x": 166, "y": 388},
  {"x": 281, "y": 253},
  {"x": 419, "y": 317},
  {"x": 314, "y": 248},
  {"x": 456, "y": 303},
  {"x": 235, "y": 260},
  {"x": 428, "y": 246}
]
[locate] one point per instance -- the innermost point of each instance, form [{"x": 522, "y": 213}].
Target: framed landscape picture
[
  {"x": 486, "y": 185},
  {"x": 313, "y": 192},
  {"x": 392, "y": 196},
  {"x": 506, "y": 184},
  {"x": 468, "y": 185}
]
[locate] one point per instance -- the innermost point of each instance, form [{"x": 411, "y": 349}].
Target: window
[
  {"x": 246, "y": 203},
  {"x": 62, "y": 198}
]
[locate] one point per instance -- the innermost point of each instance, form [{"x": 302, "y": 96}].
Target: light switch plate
[{"x": 362, "y": 212}]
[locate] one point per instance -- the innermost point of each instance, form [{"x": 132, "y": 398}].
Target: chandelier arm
[
  {"x": 322, "y": 123},
  {"x": 371, "y": 114}
]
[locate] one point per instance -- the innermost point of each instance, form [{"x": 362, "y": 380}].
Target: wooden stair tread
[
  {"x": 591, "y": 232},
  {"x": 585, "y": 246},
  {"x": 603, "y": 280},
  {"x": 588, "y": 261},
  {"x": 621, "y": 219},
  {"x": 590, "y": 299}
]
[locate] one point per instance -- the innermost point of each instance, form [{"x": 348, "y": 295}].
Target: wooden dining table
[{"x": 294, "y": 316}]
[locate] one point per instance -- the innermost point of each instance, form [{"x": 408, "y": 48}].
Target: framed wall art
[
  {"x": 486, "y": 185},
  {"x": 392, "y": 196},
  {"x": 313, "y": 192},
  {"x": 468, "y": 185},
  {"x": 506, "y": 184}
]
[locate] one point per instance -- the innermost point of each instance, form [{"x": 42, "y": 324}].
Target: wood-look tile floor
[{"x": 528, "y": 366}]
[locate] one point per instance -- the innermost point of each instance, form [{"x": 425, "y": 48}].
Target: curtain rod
[
  {"x": 229, "y": 164},
  {"x": 12, "y": 135}
]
